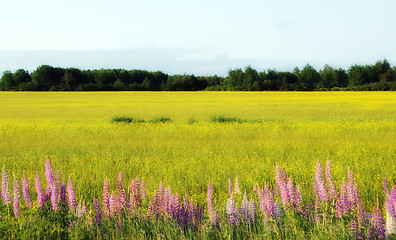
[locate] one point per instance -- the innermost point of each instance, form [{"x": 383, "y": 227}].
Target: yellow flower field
[{"x": 292, "y": 129}]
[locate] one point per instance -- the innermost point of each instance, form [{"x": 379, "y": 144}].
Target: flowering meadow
[
  {"x": 50, "y": 209},
  {"x": 270, "y": 141}
]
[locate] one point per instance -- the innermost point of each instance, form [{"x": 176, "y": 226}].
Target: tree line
[{"x": 378, "y": 77}]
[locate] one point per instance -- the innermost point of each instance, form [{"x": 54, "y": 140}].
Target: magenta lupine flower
[
  {"x": 175, "y": 206},
  {"x": 54, "y": 198},
  {"x": 17, "y": 213},
  {"x": 72, "y": 195},
  {"x": 143, "y": 189},
  {"x": 152, "y": 207},
  {"x": 291, "y": 192},
  {"x": 229, "y": 187},
  {"x": 165, "y": 205},
  {"x": 252, "y": 211},
  {"x": 379, "y": 223},
  {"x": 119, "y": 205},
  {"x": 353, "y": 228},
  {"x": 98, "y": 217},
  {"x": 121, "y": 192},
  {"x": 5, "y": 193},
  {"x": 212, "y": 213},
  {"x": 49, "y": 173},
  {"x": 298, "y": 199},
  {"x": 245, "y": 209},
  {"x": 330, "y": 182},
  {"x": 40, "y": 193},
  {"x": 390, "y": 203},
  {"x": 48, "y": 192},
  {"x": 135, "y": 200},
  {"x": 322, "y": 191},
  {"x": 25, "y": 192},
  {"x": 237, "y": 190},
  {"x": 106, "y": 198},
  {"x": 232, "y": 212},
  {"x": 269, "y": 202},
  {"x": 63, "y": 193},
  {"x": 113, "y": 205},
  {"x": 351, "y": 189},
  {"x": 345, "y": 205}
]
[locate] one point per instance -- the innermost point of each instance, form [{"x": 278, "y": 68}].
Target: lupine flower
[
  {"x": 245, "y": 209},
  {"x": 353, "y": 228},
  {"x": 165, "y": 204},
  {"x": 25, "y": 192},
  {"x": 330, "y": 182},
  {"x": 379, "y": 223},
  {"x": 291, "y": 192},
  {"x": 135, "y": 200},
  {"x": 277, "y": 212},
  {"x": 54, "y": 198},
  {"x": 17, "y": 213},
  {"x": 212, "y": 213},
  {"x": 40, "y": 193},
  {"x": 252, "y": 211},
  {"x": 48, "y": 192},
  {"x": 237, "y": 190},
  {"x": 229, "y": 187},
  {"x": 390, "y": 207},
  {"x": 63, "y": 193},
  {"x": 121, "y": 192},
  {"x": 322, "y": 191},
  {"x": 106, "y": 198},
  {"x": 152, "y": 207},
  {"x": 5, "y": 193},
  {"x": 175, "y": 206},
  {"x": 98, "y": 217},
  {"x": 232, "y": 212},
  {"x": 72, "y": 195},
  {"x": 298, "y": 199},
  {"x": 113, "y": 205},
  {"x": 49, "y": 173}
]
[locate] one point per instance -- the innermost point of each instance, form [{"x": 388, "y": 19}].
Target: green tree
[
  {"x": 308, "y": 78},
  {"x": 234, "y": 80},
  {"x": 7, "y": 82}
]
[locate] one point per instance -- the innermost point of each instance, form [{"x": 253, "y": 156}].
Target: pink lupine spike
[
  {"x": 40, "y": 193},
  {"x": 49, "y": 173},
  {"x": 72, "y": 195},
  {"x": 106, "y": 198},
  {"x": 17, "y": 212},
  {"x": 5, "y": 193},
  {"x": 26, "y": 193}
]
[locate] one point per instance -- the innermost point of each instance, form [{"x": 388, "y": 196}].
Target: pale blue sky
[{"x": 199, "y": 37}]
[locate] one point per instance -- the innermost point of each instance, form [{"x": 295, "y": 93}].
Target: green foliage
[
  {"x": 160, "y": 119},
  {"x": 223, "y": 119},
  {"x": 124, "y": 119}
]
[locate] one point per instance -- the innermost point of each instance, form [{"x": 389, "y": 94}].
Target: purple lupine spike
[
  {"x": 161, "y": 197},
  {"x": 212, "y": 213},
  {"x": 113, "y": 205},
  {"x": 167, "y": 202},
  {"x": 152, "y": 207},
  {"x": 98, "y": 217},
  {"x": 379, "y": 223},
  {"x": 81, "y": 209},
  {"x": 72, "y": 195},
  {"x": 252, "y": 211},
  {"x": 345, "y": 204},
  {"x": 321, "y": 187},
  {"x": 54, "y": 198},
  {"x": 40, "y": 193},
  {"x": 25, "y": 192},
  {"x": 5, "y": 193},
  {"x": 49, "y": 173},
  {"x": 237, "y": 190},
  {"x": 119, "y": 205},
  {"x": 284, "y": 194},
  {"x": 390, "y": 207},
  {"x": 330, "y": 182},
  {"x": 353, "y": 228},
  {"x": 143, "y": 189},
  {"x": 299, "y": 199},
  {"x": 63, "y": 193},
  {"x": 269, "y": 202},
  {"x": 232, "y": 212},
  {"x": 291, "y": 192},
  {"x": 229, "y": 187},
  {"x": 121, "y": 192},
  {"x": 106, "y": 198},
  {"x": 245, "y": 209},
  {"x": 277, "y": 212},
  {"x": 350, "y": 189},
  {"x": 48, "y": 192},
  {"x": 175, "y": 206},
  {"x": 17, "y": 213},
  {"x": 137, "y": 195},
  {"x": 192, "y": 211}
]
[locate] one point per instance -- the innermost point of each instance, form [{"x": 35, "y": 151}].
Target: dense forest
[{"x": 378, "y": 77}]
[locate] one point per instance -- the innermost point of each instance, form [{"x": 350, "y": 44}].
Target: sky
[{"x": 202, "y": 37}]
